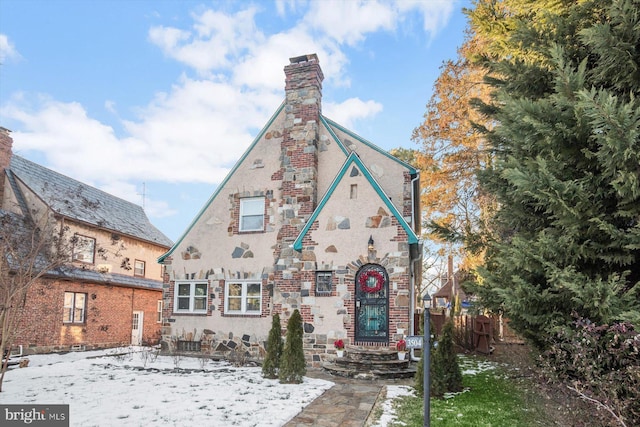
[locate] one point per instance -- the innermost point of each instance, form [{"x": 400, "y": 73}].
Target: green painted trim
[
  {"x": 412, "y": 170},
  {"x": 224, "y": 181},
  {"x": 353, "y": 158},
  {"x": 323, "y": 120}
]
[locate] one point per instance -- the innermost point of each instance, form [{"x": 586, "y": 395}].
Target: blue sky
[{"x": 162, "y": 97}]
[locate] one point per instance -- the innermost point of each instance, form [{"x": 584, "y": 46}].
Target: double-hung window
[
  {"x": 74, "y": 307},
  {"x": 243, "y": 298},
  {"x": 83, "y": 248},
  {"x": 190, "y": 297},
  {"x": 138, "y": 268},
  {"x": 252, "y": 214}
]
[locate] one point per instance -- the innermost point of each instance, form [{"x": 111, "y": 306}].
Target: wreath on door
[{"x": 364, "y": 282}]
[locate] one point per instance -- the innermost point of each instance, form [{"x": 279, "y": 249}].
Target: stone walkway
[{"x": 347, "y": 404}]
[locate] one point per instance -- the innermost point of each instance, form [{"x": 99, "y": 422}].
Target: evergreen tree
[
  {"x": 565, "y": 161},
  {"x": 293, "y": 366},
  {"x": 274, "y": 349},
  {"x": 446, "y": 375}
]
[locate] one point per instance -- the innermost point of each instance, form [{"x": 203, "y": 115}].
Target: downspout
[
  {"x": 412, "y": 304},
  {"x": 412, "y": 299},
  {"x": 415, "y": 219}
]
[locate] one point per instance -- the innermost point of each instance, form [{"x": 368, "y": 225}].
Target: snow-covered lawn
[{"x": 143, "y": 389}]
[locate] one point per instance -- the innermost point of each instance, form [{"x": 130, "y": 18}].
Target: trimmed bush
[
  {"x": 274, "y": 349},
  {"x": 293, "y": 366},
  {"x": 446, "y": 375}
]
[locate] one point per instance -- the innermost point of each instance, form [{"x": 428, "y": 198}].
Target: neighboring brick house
[
  {"x": 110, "y": 293},
  {"x": 312, "y": 217}
]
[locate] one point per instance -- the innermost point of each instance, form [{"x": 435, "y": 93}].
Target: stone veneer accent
[{"x": 298, "y": 170}]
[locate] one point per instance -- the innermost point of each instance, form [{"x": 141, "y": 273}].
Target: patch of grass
[{"x": 490, "y": 399}]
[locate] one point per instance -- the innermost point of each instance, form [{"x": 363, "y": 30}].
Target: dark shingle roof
[
  {"x": 87, "y": 204},
  {"x": 67, "y": 272}
]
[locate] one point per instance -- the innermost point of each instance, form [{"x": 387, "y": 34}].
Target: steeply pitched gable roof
[
  {"x": 78, "y": 201},
  {"x": 330, "y": 124},
  {"x": 221, "y": 186},
  {"x": 351, "y": 160}
]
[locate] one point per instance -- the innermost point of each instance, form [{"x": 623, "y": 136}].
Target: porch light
[{"x": 370, "y": 244}]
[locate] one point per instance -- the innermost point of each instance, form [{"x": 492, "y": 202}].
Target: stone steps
[{"x": 370, "y": 363}]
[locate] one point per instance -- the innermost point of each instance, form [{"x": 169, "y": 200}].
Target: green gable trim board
[
  {"x": 222, "y": 184},
  {"x": 334, "y": 136},
  {"x": 354, "y": 159},
  {"x": 411, "y": 169}
]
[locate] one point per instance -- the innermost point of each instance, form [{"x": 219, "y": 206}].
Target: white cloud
[
  {"x": 348, "y": 112},
  {"x": 349, "y": 21},
  {"x": 197, "y": 129},
  {"x": 215, "y": 41},
  {"x": 7, "y": 50}
]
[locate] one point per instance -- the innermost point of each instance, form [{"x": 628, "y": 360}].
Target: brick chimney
[
  {"x": 303, "y": 106},
  {"x": 299, "y": 163},
  {"x": 6, "y": 143}
]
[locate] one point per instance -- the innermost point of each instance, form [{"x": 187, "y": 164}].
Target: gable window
[
  {"x": 138, "y": 268},
  {"x": 252, "y": 214},
  {"x": 190, "y": 297},
  {"x": 324, "y": 283},
  {"x": 354, "y": 191},
  {"x": 83, "y": 249},
  {"x": 243, "y": 298},
  {"x": 74, "y": 307}
]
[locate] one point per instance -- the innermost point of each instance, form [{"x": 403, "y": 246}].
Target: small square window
[
  {"x": 324, "y": 283},
  {"x": 138, "y": 268},
  {"x": 252, "y": 214}
]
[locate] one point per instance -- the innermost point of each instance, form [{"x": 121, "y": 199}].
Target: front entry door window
[{"x": 372, "y": 304}]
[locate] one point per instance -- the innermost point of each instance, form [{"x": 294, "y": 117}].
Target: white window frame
[
  {"x": 251, "y": 207},
  {"x": 71, "y": 309},
  {"x": 84, "y": 249},
  {"x": 159, "y": 311},
  {"x": 135, "y": 268},
  {"x": 243, "y": 297},
  {"x": 192, "y": 297}
]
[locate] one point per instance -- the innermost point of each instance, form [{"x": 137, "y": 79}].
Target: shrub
[
  {"x": 274, "y": 349},
  {"x": 293, "y": 366},
  {"x": 601, "y": 363},
  {"x": 446, "y": 375}
]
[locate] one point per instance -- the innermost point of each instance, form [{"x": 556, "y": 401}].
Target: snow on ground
[
  {"x": 388, "y": 411},
  {"x": 141, "y": 388}
]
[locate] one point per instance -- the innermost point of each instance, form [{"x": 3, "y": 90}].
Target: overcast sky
[{"x": 154, "y": 101}]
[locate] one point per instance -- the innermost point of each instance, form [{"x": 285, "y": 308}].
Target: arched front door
[{"x": 372, "y": 304}]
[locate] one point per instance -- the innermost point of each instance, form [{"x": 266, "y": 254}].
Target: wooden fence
[{"x": 474, "y": 333}]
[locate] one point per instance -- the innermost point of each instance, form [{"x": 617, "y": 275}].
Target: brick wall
[{"x": 108, "y": 317}]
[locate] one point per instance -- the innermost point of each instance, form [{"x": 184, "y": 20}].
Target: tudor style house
[
  {"x": 110, "y": 292},
  {"x": 312, "y": 217}
]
